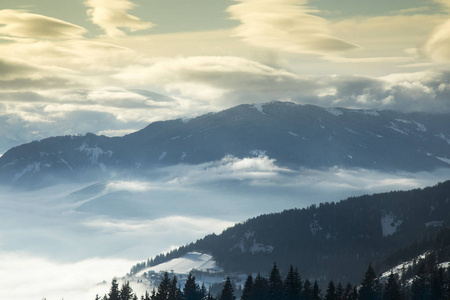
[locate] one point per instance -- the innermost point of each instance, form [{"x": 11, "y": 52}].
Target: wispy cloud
[
  {"x": 16, "y": 23},
  {"x": 287, "y": 25},
  {"x": 111, "y": 15},
  {"x": 207, "y": 77},
  {"x": 438, "y": 45}
]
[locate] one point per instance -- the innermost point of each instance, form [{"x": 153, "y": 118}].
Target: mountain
[
  {"x": 294, "y": 135},
  {"x": 333, "y": 240}
]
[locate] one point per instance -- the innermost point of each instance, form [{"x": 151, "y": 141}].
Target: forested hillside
[{"x": 333, "y": 240}]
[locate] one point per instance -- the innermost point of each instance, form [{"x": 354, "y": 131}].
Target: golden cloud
[
  {"x": 111, "y": 15},
  {"x": 17, "y": 23},
  {"x": 438, "y": 45},
  {"x": 287, "y": 25}
]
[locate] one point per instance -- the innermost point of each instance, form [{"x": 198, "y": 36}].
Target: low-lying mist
[{"x": 63, "y": 241}]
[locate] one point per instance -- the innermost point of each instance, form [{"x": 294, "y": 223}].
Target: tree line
[{"x": 432, "y": 282}]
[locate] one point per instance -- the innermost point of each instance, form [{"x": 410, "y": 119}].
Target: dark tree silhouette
[
  {"x": 276, "y": 287},
  {"x": 248, "y": 287},
  {"x": 331, "y": 291},
  {"x": 227, "y": 291},
  {"x": 370, "y": 287},
  {"x": 114, "y": 293},
  {"x": 292, "y": 285}
]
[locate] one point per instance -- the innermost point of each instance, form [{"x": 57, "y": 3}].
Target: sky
[{"x": 111, "y": 67}]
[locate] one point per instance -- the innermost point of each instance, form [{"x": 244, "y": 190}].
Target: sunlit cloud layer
[
  {"x": 438, "y": 46},
  {"x": 111, "y": 15},
  {"x": 58, "y": 73},
  {"x": 17, "y": 23},
  {"x": 287, "y": 25}
]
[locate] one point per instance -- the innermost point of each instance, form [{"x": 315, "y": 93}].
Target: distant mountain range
[
  {"x": 333, "y": 240},
  {"x": 294, "y": 135}
]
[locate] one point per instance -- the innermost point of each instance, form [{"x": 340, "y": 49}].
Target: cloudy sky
[{"x": 111, "y": 67}]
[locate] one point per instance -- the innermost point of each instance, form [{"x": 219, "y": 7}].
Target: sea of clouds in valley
[{"x": 62, "y": 241}]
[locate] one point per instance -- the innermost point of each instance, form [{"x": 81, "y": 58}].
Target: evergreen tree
[
  {"x": 347, "y": 295},
  {"x": 227, "y": 291},
  {"x": 163, "y": 288},
  {"x": 247, "y": 291},
  {"x": 126, "y": 292},
  {"x": 307, "y": 290},
  {"x": 191, "y": 289},
  {"x": 203, "y": 292},
  {"x": 292, "y": 285},
  {"x": 114, "y": 293},
  {"x": 331, "y": 291},
  {"x": 370, "y": 287},
  {"x": 354, "y": 295},
  {"x": 97, "y": 297},
  {"x": 437, "y": 284},
  {"x": 392, "y": 289},
  {"x": 276, "y": 287},
  {"x": 420, "y": 287},
  {"x": 260, "y": 289},
  {"x": 316, "y": 292},
  {"x": 174, "y": 291},
  {"x": 339, "y": 292},
  {"x": 146, "y": 296}
]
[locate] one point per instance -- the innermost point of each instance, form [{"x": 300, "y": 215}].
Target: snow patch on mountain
[
  {"x": 398, "y": 270},
  {"x": 351, "y": 131},
  {"x": 259, "y": 107},
  {"x": 334, "y": 111},
  {"x": 94, "y": 152},
  {"x": 31, "y": 168},
  {"x": 185, "y": 264},
  {"x": 249, "y": 244},
  {"x": 434, "y": 224},
  {"x": 257, "y": 247},
  {"x": 162, "y": 156},
  {"x": 444, "y": 159},
  {"x": 389, "y": 224},
  {"x": 183, "y": 156},
  {"x": 65, "y": 162},
  {"x": 444, "y": 137},
  {"x": 395, "y": 127},
  {"x": 315, "y": 227},
  {"x": 421, "y": 127},
  {"x": 258, "y": 153},
  {"x": 373, "y": 113}
]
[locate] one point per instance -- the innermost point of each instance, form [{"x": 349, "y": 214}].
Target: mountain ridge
[{"x": 294, "y": 135}]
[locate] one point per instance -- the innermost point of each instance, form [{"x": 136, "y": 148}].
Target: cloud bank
[{"x": 63, "y": 251}]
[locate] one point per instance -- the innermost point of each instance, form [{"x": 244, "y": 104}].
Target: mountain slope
[
  {"x": 294, "y": 135},
  {"x": 332, "y": 240}
]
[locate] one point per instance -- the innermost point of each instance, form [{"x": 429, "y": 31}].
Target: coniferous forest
[{"x": 431, "y": 282}]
